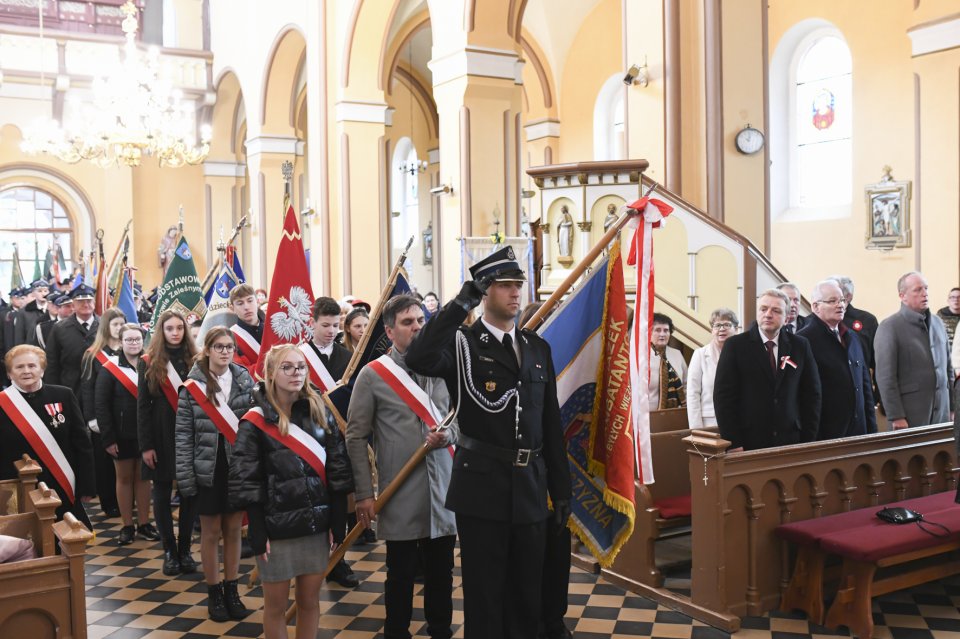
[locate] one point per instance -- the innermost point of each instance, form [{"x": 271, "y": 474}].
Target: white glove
[{"x": 92, "y": 424}]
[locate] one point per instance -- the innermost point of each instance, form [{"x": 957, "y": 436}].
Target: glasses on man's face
[
  {"x": 833, "y": 301},
  {"x": 293, "y": 370},
  {"x": 224, "y": 348},
  {"x": 722, "y": 326}
]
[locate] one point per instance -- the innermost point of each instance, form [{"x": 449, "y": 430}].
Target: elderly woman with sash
[
  {"x": 45, "y": 422},
  {"x": 289, "y": 468},
  {"x": 115, "y": 403},
  {"x": 161, "y": 372},
  {"x": 214, "y": 397}
]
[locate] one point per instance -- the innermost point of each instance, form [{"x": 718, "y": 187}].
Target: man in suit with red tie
[{"x": 767, "y": 391}]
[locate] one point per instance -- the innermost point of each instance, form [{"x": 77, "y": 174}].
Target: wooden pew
[
  {"x": 661, "y": 506},
  {"x": 44, "y": 598},
  {"x": 740, "y": 566},
  {"x": 13, "y": 492}
]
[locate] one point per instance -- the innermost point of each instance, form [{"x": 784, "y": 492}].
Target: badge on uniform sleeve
[
  {"x": 55, "y": 411},
  {"x": 484, "y": 337},
  {"x": 490, "y": 386}
]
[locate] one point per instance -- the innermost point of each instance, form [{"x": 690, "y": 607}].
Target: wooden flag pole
[
  {"x": 385, "y": 495},
  {"x": 580, "y": 268}
]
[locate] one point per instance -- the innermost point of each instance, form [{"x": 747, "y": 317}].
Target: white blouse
[{"x": 703, "y": 370}]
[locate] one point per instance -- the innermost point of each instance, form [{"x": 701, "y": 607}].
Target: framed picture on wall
[{"x": 888, "y": 213}]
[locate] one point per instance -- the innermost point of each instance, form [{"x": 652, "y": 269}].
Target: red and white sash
[
  {"x": 222, "y": 417},
  {"x": 126, "y": 376},
  {"x": 408, "y": 391},
  {"x": 319, "y": 375},
  {"x": 297, "y": 440},
  {"x": 40, "y": 438},
  {"x": 171, "y": 385},
  {"x": 248, "y": 348}
]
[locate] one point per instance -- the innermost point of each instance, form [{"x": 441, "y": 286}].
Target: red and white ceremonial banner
[
  {"x": 40, "y": 438},
  {"x": 171, "y": 385},
  {"x": 408, "y": 391},
  {"x": 305, "y": 446},
  {"x": 652, "y": 214},
  {"x": 289, "y": 307},
  {"x": 126, "y": 376},
  {"x": 248, "y": 348},
  {"x": 222, "y": 417},
  {"x": 319, "y": 375}
]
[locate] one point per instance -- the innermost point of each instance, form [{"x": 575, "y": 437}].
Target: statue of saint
[
  {"x": 167, "y": 246},
  {"x": 565, "y": 233},
  {"x": 611, "y": 218}
]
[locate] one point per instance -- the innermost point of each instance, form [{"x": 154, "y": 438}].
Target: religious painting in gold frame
[{"x": 888, "y": 213}]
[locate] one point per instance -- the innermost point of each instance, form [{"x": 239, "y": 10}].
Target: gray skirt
[{"x": 298, "y": 556}]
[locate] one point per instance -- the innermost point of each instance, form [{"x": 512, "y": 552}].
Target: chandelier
[
  {"x": 417, "y": 166},
  {"x": 135, "y": 111}
]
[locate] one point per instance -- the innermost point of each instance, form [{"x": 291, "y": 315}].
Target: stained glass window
[{"x": 34, "y": 221}]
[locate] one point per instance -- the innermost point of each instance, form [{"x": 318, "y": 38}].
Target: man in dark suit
[
  {"x": 767, "y": 392},
  {"x": 510, "y": 453},
  {"x": 795, "y": 321},
  {"x": 847, "y": 407},
  {"x": 861, "y": 322},
  {"x": 69, "y": 340}
]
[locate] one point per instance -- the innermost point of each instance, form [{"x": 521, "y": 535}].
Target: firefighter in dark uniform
[
  {"x": 510, "y": 454},
  {"x": 69, "y": 339},
  {"x": 56, "y": 303}
]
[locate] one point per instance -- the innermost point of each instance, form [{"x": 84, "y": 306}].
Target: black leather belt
[{"x": 516, "y": 456}]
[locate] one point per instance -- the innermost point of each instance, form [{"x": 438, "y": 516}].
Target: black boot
[
  {"x": 343, "y": 575},
  {"x": 171, "y": 563},
  {"x": 216, "y": 608},
  {"x": 187, "y": 564},
  {"x": 231, "y": 598},
  {"x": 126, "y": 536}
]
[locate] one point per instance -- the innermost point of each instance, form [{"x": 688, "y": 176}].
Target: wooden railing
[{"x": 81, "y": 16}]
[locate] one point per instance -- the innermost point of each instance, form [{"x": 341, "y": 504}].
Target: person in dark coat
[
  {"x": 156, "y": 423},
  {"x": 62, "y": 306},
  {"x": 58, "y": 412},
  {"x": 767, "y": 391},
  {"x": 249, "y": 326},
  {"x": 115, "y": 402},
  {"x": 864, "y": 324},
  {"x": 795, "y": 321},
  {"x": 508, "y": 459},
  {"x": 33, "y": 312},
  {"x": 70, "y": 339},
  {"x": 290, "y": 497},
  {"x": 203, "y": 457},
  {"x": 18, "y": 299},
  {"x": 847, "y": 405}
]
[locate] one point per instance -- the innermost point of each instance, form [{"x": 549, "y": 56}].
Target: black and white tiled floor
[{"x": 128, "y": 597}]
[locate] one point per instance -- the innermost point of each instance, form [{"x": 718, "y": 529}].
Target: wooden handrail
[{"x": 582, "y": 169}]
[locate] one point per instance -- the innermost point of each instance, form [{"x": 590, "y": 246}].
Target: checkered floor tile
[{"x": 129, "y": 597}]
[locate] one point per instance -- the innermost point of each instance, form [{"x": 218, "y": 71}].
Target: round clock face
[{"x": 749, "y": 140}]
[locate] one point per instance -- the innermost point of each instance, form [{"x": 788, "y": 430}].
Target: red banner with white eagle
[
  {"x": 290, "y": 303},
  {"x": 652, "y": 214}
]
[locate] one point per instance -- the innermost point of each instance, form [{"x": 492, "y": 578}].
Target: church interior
[{"x": 795, "y": 141}]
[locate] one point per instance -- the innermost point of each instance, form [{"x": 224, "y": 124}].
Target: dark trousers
[
  {"x": 555, "y": 580},
  {"x": 501, "y": 565},
  {"x": 164, "y": 517},
  {"x": 105, "y": 474},
  {"x": 402, "y": 560}
]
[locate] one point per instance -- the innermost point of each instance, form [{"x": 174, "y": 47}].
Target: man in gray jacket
[
  {"x": 913, "y": 360},
  {"x": 400, "y": 410}
]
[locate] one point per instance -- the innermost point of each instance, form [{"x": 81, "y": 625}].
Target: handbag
[{"x": 899, "y": 515}]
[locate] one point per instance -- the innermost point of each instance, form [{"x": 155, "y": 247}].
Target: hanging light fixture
[
  {"x": 136, "y": 111},
  {"x": 416, "y": 166}
]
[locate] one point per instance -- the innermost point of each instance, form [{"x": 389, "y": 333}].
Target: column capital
[
  {"x": 542, "y": 129},
  {"x": 213, "y": 168},
  {"x": 274, "y": 144},
  {"x": 355, "y": 111},
  {"x": 477, "y": 61}
]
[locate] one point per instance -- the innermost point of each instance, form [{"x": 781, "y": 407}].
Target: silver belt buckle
[{"x": 523, "y": 457}]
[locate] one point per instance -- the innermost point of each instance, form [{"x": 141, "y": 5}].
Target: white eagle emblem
[{"x": 290, "y": 324}]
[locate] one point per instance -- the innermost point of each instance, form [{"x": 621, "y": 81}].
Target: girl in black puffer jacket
[
  {"x": 289, "y": 496},
  {"x": 215, "y": 391}
]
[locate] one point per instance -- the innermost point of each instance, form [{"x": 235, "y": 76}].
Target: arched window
[
  {"x": 36, "y": 222},
  {"x": 608, "y": 121},
  {"x": 811, "y": 123},
  {"x": 404, "y": 198},
  {"x": 822, "y": 124}
]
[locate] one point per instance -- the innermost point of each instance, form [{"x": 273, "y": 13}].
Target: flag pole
[
  {"x": 120, "y": 247},
  {"x": 213, "y": 269},
  {"x": 384, "y": 296},
  {"x": 551, "y": 302}
]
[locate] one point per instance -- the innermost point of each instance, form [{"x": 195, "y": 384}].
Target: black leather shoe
[
  {"x": 187, "y": 564},
  {"x": 112, "y": 512},
  {"x": 216, "y": 608},
  {"x": 343, "y": 575},
  {"x": 231, "y": 598},
  {"x": 368, "y": 537},
  {"x": 126, "y": 536},
  {"x": 148, "y": 532},
  {"x": 171, "y": 563}
]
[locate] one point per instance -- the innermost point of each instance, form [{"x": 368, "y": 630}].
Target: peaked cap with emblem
[
  {"x": 82, "y": 292},
  {"x": 499, "y": 266}
]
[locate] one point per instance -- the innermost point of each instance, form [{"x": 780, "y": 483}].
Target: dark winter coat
[
  {"x": 115, "y": 407},
  {"x": 156, "y": 420},
  {"x": 198, "y": 438},
  {"x": 88, "y": 385},
  {"x": 25, "y": 331},
  {"x": 65, "y": 348},
  {"x": 283, "y": 495}
]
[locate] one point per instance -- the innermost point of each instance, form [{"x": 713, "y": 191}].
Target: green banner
[{"x": 181, "y": 287}]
